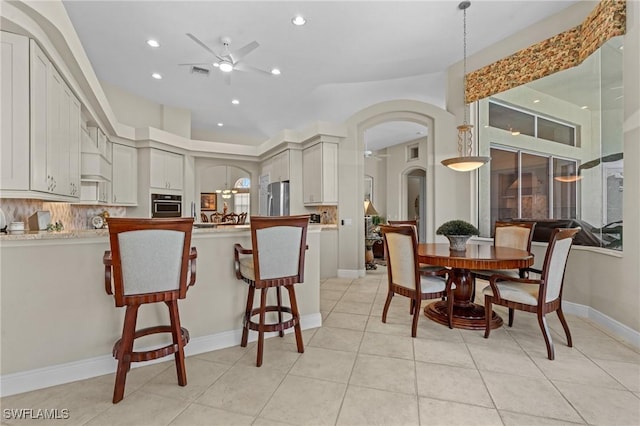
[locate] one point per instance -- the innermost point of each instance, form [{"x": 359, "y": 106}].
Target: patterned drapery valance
[{"x": 565, "y": 50}]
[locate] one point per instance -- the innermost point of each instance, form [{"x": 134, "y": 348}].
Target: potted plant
[{"x": 457, "y": 232}]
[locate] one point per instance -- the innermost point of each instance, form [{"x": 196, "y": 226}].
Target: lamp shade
[{"x": 369, "y": 210}]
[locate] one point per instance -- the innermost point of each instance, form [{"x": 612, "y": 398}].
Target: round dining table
[{"x": 466, "y": 314}]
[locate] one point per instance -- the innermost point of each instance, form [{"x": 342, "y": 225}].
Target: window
[
  {"x": 413, "y": 152},
  {"x": 519, "y": 122},
  {"x": 521, "y": 187},
  {"x": 556, "y": 151},
  {"x": 242, "y": 199}
]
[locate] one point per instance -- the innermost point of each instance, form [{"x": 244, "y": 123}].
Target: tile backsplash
[
  {"x": 328, "y": 214},
  {"x": 73, "y": 217}
]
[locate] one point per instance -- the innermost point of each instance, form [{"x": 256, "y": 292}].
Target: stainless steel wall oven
[{"x": 164, "y": 205}]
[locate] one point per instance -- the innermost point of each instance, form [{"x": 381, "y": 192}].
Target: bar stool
[
  {"x": 150, "y": 261},
  {"x": 277, "y": 260}
]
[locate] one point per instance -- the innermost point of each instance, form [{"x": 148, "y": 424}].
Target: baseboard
[
  {"x": 616, "y": 328},
  {"x": 25, "y": 381},
  {"x": 351, "y": 273}
]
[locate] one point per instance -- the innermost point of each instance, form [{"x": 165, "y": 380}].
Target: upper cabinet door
[
  {"x": 166, "y": 169},
  {"x": 14, "y": 131},
  {"x": 125, "y": 175},
  {"x": 40, "y": 65}
]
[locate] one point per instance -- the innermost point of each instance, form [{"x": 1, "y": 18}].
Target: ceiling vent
[{"x": 198, "y": 70}]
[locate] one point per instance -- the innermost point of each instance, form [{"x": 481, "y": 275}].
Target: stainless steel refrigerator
[{"x": 278, "y": 199}]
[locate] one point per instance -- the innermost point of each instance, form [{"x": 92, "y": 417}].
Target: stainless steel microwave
[{"x": 164, "y": 205}]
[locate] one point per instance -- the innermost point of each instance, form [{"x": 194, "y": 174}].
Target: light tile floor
[{"x": 358, "y": 371}]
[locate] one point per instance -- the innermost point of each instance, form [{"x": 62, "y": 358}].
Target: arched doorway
[{"x": 351, "y": 169}]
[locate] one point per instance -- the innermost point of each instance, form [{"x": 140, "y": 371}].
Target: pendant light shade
[{"x": 465, "y": 161}]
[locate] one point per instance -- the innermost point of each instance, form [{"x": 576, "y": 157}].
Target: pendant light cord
[{"x": 464, "y": 5}]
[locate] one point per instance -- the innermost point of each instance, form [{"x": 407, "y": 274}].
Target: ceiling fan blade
[
  {"x": 246, "y": 67},
  {"x": 204, "y": 46},
  {"x": 237, "y": 55},
  {"x": 197, "y": 63}
]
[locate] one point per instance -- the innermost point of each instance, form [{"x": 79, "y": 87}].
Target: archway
[{"x": 351, "y": 169}]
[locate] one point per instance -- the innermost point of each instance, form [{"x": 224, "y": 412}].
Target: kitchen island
[{"x": 59, "y": 325}]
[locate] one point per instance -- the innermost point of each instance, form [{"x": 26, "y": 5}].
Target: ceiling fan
[
  {"x": 227, "y": 60},
  {"x": 369, "y": 154}
]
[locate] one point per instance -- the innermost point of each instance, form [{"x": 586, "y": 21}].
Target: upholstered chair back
[
  {"x": 555, "y": 263},
  {"x": 400, "y": 243},
  {"x": 279, "y": 245},
  {"x": 150, "y": 256},
  {"x": 514, "y": 235},
  {"x": 278, "y": 251}
]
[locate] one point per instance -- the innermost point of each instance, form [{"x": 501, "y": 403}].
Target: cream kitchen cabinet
[
  {"x": 320, "y": 174},
  {"x": 14, "y": 131},
  {"x": 55, "y": 130},
  {"x": 166, "y": 169},
  {"x": 125, "y": 175},
  {"x": 277, "y": 167}
]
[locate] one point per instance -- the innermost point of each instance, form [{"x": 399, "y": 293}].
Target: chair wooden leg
[
  {"x": 279, "y": 296},
  {"x": 386, "y": 306},
  {"x": 487, "y": 315},
  {"x": 563, "y": 321},
  {"x": 450, "y": 309},
  {"x": 416, "y": 314},
  {"x": 247, "y": 316},
  {"x": 294, "y": 311},
  {"x": 412, "y": 306},
  {"x": 176, "y": 333},
  {"x": 124, "y": 351},
  {"x": 511, "y": 315},
  {"x": 263, "y": 305},
  {"x": 547, "y": 336}
]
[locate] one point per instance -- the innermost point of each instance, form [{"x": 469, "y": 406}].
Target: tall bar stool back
[
  {"x": 277, "y": 260},
  {"x": 150, "y": 261}
]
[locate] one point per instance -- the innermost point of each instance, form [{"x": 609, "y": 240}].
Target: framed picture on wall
[{"x": 208, "y": 201}]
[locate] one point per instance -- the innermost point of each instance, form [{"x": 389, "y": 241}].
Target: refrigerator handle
[{"x": 269, "y": 205}]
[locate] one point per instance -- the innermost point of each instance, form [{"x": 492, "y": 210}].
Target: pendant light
[
  {"x": 226, "y": 192},
  {"x": 465, "y": 161}
]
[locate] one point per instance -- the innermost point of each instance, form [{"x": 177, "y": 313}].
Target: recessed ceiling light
[
  {"x": 419, "y": 132},
  {"x": 275, "y": 71},
  {"x": 157, "y": 76},
  {"x": 621, "y": 47},
  {"x": 584, "y": 107},
  {"x": 298, "y": 20},
  {"x": 535, "y": 101},
  {"x": 235, "y": 101},
  {"x": 220, "y": 124},
  {"x": 153, "y": 43},
  {"x": 515, "y": 133}
]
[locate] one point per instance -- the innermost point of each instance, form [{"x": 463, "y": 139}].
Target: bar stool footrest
[
  {"x": 279, "y": 326},
  {"x": 155, "y": 353}
]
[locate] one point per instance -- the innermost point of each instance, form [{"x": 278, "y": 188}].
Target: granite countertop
[{"x": 97, "y": 233}]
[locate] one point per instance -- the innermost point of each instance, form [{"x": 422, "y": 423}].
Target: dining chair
[
  {"x": 516, "y": 235},
  {"x": 539, "y": 296},
  {"x": 277, "y": 260},
  {"x": 404, "y": 276},
  {"x": 216, "y": 217},
  {"x": 425, "y": 269},
  {"x": 242, "y": 218},
  {"x": 150, "y": 261},
  {"x": 203, "y": 217}
]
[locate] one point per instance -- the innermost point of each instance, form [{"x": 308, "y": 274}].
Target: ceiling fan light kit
[{"x": 465, "y": 162}]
